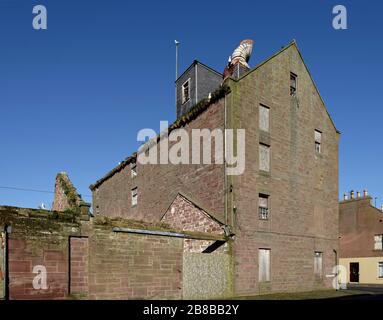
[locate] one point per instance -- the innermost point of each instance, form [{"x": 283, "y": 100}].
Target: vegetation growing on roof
[
  {"x": 194, "y": 112},
  {"x": 201, "y": 106}
]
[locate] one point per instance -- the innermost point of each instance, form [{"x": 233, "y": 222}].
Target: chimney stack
[
  {"x": 358, "y": 195},
  {"x": 365, "y": 193},
  {"x": 345, "y": 196},
  {"x": 237, "y": 64},
  {"x": 352, "y": 194}
]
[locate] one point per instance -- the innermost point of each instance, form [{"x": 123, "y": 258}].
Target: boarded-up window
[
  {"x": 264, "y": 265},
  {"x": 263, "y": 206},
  {"x": 134, "y": 196},
  {"x": 264, "y": 157},
  {"x": 264, "y": 114},
  {"x": 378, "y": 242},
  {"x": 380, "y": 269},
  {"x": 318, "y": 263},
  {"x": 318, "y": 141}
]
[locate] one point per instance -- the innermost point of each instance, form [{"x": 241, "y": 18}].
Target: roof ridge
[
  {"x": 291, "y": 43},
  {"x": 194, "y": 112}
]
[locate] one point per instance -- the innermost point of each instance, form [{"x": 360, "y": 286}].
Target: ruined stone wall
[{"x": 66, "y": 196}]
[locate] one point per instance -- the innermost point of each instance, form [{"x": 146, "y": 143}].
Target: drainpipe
[
  {"x": 224, "y": 163},
  {"x": 6, "y": 230},
  {"x": 168, "y": 234},
  {"x": 196, "y": 82},
  {"x": 337, "y": 266}
]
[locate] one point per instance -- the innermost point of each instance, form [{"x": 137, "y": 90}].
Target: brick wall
[
  {"x": 24, "y": 255},
  {"x": 359, "y": 222},
  {"x": 302, "y": 186},
  {"x": 158, "y": 185},
  {"x": 38, "y": 238},
  {"x": 185, "y": 215},
  {"x": 87, "y": 259},
  {"x": 129, "y": 266}
]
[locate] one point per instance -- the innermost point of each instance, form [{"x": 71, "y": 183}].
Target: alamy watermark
[
  {"x": 40, "y": 20},
  {"x": 40, "y": 280},
  {"x": 339, "y": 21},
  {"x": 340, "y": 277},
  {"x": 180, "y": 146}
]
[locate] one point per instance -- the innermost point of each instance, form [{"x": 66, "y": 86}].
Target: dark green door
[{"x": 354, "y": 272}]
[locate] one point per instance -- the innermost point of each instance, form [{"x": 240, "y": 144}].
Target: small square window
[
  {"x": 186, "y": 91},
  {"x": 378, "y": 242},
  {"x": 318, "y": 141},
  {"x": 293, "y": 84},
  {"x": 134, "y": 197},
  {"x": 263, "y": 206}
]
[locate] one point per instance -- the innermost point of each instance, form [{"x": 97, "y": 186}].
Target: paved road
[{"x": 367, "y": 293}]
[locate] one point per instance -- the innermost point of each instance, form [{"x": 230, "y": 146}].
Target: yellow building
[
  {"x": 366, "y": 270},
  {"x": 361, "y": 239}
]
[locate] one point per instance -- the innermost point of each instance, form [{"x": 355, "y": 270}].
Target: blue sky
[{"x": 73, "y": 97}]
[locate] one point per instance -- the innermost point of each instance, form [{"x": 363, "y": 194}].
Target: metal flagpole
[{"x": 176, "y": 43}]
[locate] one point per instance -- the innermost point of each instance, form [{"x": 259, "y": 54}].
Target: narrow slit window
[
  {"x": 293, "y": 84},
  {"x": 318, "y": 141},
  {"x": 186, "y": 91},
  {"x": 133, "y": 170},
  {"x": 134, "y": 197}
]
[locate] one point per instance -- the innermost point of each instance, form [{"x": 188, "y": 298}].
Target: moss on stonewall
[
  {"x": 74, "y": 199},
  {"x": 34, "y": 221}
]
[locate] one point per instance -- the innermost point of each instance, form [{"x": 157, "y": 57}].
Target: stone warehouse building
[
  {"x": 361, "y": 239},
  {"x": 194, "y": 231},
  {"x": 273, "y": 228}
]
